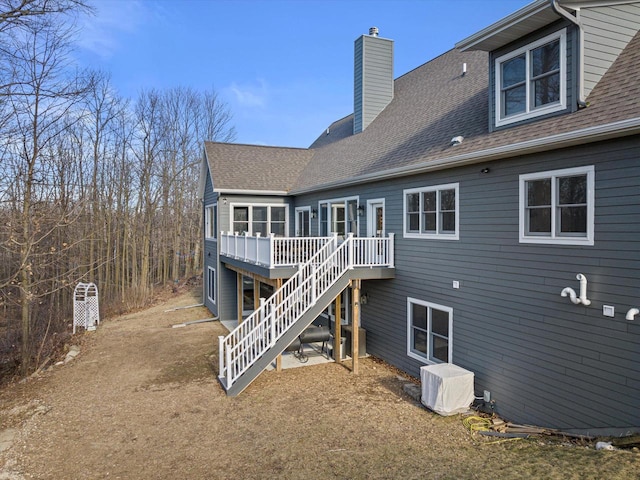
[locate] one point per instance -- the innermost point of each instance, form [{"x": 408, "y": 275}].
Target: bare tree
[
  {"x": 90, "y": 188},
  {"x": 40, "y": 108},
  {"x": 20, "y": 13}
]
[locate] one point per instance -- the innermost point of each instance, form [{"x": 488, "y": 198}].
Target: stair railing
[{"x": 259, "y": 332}]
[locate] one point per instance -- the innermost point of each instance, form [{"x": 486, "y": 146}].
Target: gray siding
[
  {"x": 227, "y": 302},
  {"x": 373, "y": 79},
  {"x": 545, "y": 360},
  {"x": 607, "y": 31},
  {"x": 210, "y": 250}
]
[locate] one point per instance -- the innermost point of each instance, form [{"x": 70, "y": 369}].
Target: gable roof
[
  {"x": 254, "y": 168},
  {"x": 432, "y": 104},
  {"x": 526, "y": 20},
  {"x": 435, "y": 103}
]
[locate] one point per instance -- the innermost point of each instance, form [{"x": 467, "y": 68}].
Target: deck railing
[
  {"x": 271, "y": 251},
  {"x": 259, "y": 332}
]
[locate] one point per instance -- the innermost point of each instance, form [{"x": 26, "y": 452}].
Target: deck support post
[
  {"x": 355, "y": 334},
  {"x": 256, "y": 293},
  {"x": 337, "y": 354},
  {"x": 239, "y": 294}
]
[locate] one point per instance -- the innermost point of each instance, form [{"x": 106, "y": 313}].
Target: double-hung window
[
  {"x": 260, "y": 219},
  {"x": 241, "y": 219},
  {"x": 429, "y": 331},
  {"x": 278, "y": 221},
  {"x": 210, "y": 221},
  {"x": 432, "y": 212},
  {"x": 557, "y": 206},
  {"x": 531, "y": 81}
]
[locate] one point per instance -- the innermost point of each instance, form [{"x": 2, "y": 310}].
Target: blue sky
[{"x": 284, "y": 68}]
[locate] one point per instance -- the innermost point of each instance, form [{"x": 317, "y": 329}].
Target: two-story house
[{"x": 482, "y": 209}]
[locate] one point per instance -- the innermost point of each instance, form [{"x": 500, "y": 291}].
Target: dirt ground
[{"x": 141, "y": 401}]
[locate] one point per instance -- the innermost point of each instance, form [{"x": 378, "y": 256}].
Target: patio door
[
  {"x": 375, "y": 218},
  {"x": 303, "y": 222}
]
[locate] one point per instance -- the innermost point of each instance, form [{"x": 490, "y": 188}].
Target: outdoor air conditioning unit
[{"x": 446, "y": 388}]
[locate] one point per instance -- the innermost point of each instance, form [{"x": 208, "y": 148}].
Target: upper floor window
[
  {"x": 210, "y": 221},
  {"x": 557, "y": 206},
  {"x": 432, "y": 212},
  {"x": 262, "y": 219},
  {"x": 531, "y": 81}
]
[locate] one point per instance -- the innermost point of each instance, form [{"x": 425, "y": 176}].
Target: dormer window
[{"x": 531, "y": 81}]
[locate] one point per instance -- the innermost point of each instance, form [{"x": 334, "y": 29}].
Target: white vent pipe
[{"x": 568, "y": 291}]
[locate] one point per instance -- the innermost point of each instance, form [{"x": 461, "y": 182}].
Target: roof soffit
[{"x": 527, "y": 20}]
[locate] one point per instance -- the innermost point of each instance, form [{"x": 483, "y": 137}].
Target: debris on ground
[
  {"x": 74, "y": 351},
  {"x": 493, "y": 426}
]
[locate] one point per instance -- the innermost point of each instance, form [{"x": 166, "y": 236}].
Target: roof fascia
[
  {"x": 232, "y": 191},
  {"x": 577, "y": 137},
  {"x": 578, "y": 4},
  {"x": 204, "y": 168},
  {"x": 506, "y": 23},
  {"x": 539, "y": 9}
]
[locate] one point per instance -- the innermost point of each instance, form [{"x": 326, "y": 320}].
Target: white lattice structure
[{"x": 86, "y": 313}]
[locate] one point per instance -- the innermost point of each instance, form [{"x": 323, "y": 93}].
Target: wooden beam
[
  {"x": 240, "y": 293},
  {"x": 337, "y": 329},
  {"x": 256, "y": 293},
  {"x": 247, "y": 273},
  {"x": 355, "y": 333}
]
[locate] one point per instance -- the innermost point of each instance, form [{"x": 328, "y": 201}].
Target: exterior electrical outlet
[{"x": 487, "y": 396}]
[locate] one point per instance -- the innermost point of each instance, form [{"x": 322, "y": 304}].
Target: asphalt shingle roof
[
  {"x": 431, "y": 105},
  {"x": 252, "y": 167}
]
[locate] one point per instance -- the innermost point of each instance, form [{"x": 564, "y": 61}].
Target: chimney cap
[{"x": 373, "y": 31}]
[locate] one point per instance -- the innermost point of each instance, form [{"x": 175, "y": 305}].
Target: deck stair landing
[{"x": 268, "y": 331}]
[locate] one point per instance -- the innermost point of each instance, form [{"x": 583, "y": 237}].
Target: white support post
[
  {"x": 257, "y": 257},
  {"x": 261, "y": 331},
  {"x": 273, "y": 330},
  {"x": 350, "y": 251},
  {"x": 221, "y": 355},
  {"x": 313, "y": 285},
  {"x": 391, "y": 248},
  {"x": 272, "y": 237},
  {"x": 228, "y": 369}
]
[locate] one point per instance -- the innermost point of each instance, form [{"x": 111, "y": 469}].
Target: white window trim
[
  {"x": 208, "y": 210},
  {"x": 529, "y": 112},
  {"x": 211, "y": 271},
  {"x": 418, "y": 355},
  {"x": 435, "y": 236},
  {"x": 250, "y": 219},
  {"x": 344, "y": 201},
  {"x": 371, "y": 221},
  {"x": 296, "y": 225},
  {"x": 554, "y": 238}
]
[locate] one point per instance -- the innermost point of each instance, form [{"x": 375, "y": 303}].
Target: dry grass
[{"x": 142, "y": 401}]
